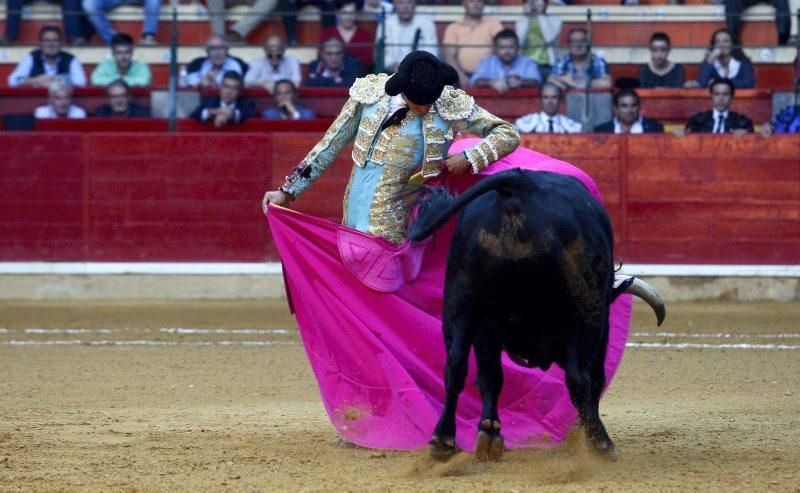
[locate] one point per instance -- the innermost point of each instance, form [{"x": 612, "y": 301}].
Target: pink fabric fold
[{"x": 369, "y": 315}]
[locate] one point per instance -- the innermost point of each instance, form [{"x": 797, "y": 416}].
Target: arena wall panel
[{"x": 156, "y": 197}]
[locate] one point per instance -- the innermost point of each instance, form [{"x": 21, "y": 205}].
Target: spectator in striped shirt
[{"x": 577, "y": 68}]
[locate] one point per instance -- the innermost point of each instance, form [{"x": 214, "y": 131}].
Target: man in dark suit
[
  {"x": 627, "y": 120},
  {"x": 228, "y": 107},
  {"x": 720, "y": 119},
  {"x": 120, "y": 104},
  {"x": 335, "y": 67}
]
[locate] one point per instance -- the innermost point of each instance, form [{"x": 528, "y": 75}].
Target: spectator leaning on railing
[
  {"x": 274, "y": 66},
  {"x": 724, "y": 60},
  {"x": 659, "y": 72},
  {"x": 538, "y": 34},
  {"x": 467, "y": 41},
  {"x": 76, "y": 26},
  {"x": 720, "y": 119},
  {"x": 335, "y": 68},
  {"x": 47, "y": 64},
  {"x": 576, "y": 69},
  {"x": 59, "y": 103},
  {"x": 627, "y": 118},
  {"x": 228, "y": 107},
  {"x": 97, "y": 12},
  {"x": 120, "y": 104},
  {"x": 286, "y": 105},
  {"x": 357, "y": 41},
  {"x": 121, "y": 65},
  {"x": 506, "y": 69},
  {"x": 207, "y": 71},
  {"x": 548, "y": 120},
  {"x": 407, "y": 31}
]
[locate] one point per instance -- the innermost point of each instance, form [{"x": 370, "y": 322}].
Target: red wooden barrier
[{"x": 195, "y": 197}]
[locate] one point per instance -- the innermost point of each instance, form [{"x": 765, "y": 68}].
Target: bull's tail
[{"x": 437, "y": 205}]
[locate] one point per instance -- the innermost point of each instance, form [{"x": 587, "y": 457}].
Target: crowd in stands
[{"x": 483, "y": 52}]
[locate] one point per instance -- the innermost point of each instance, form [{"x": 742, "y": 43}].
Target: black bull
[{"x": 531, "y": 272}]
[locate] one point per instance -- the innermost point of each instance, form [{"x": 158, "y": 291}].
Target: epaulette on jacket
[
  {"x": 454, "y": 104},
  {"x": 369, "y": 89}
]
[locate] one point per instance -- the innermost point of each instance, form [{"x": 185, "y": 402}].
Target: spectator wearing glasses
[
  {"x": 548, "y": 120},
  {"x": 357, "y": 41},
  {"x": 274, "y": 66},
  {"x": 506, "y": 69},
  {"x": 122, "y": 65},
  {"x": 286, "y": 105},
  {"x": 576, "y": 69},
  {"x": 97, "y": 12},
  {"x": 627, "y": 117},
  {"x": 227, "y": 108},
  {"x": 468, "y": 41},
  {"x": 120, "y": 104},
  {"x": 720, "y": 119},
  {"x": 48, "y": 64},
  {"x": 407, "y": 31},
  {"x": 334, "y": 68},
  {"x": 59, "y": 103},
  {"x": 725, "y": 61},
  {"x": 76, "y": 25},
  {"x": 207, "y": 71},
  {"x": 538, "y": 34},
  {"x": 659, "y": 72}
]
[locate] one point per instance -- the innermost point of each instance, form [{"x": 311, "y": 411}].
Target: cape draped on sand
[{"x": 369, "y": 315}]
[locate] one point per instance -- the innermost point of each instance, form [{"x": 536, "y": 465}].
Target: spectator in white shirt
[
  {"x": 548, "y": 120},
  {"x": 407, "y": 31},
  {"x": 207, "y": 71},
  {"x": 59, "y": 103},
  {"x": 42, "y": 67},
  {"x": 276, "y": 65}
]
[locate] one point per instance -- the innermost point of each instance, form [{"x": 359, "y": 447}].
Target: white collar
[
  {"x": 636, "y": 128},
  {"x": 733, "y": 67},
  {"x": 717, "y": 114}
]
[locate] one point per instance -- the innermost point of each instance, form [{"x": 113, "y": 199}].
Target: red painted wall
[{"x": 195, "y": 196}]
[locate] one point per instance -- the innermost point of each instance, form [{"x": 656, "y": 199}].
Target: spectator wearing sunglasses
[
  {"x": 273, "y": 67},
  {"x": 207, "y": 71},
  {"x": 659, "y": 72}
]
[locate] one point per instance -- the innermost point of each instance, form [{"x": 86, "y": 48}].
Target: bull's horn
[{"x": 646, "y": 292}]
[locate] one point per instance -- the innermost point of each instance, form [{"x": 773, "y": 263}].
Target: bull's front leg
[
  {"x": 489, "y": 443},
  {"x": 458, "y": 339}
]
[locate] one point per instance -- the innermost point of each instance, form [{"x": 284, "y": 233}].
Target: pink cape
[{"x": 369, "y": 315}]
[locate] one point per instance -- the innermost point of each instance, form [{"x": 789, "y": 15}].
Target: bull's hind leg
[
  {"x": 583, "y": 361},
  {"x": 458, "y": 338},
  {"x": 489, "y": 444}
]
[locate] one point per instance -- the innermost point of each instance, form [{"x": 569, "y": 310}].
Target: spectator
[
  {"x": 627, "y": 119},
  {"x": 290, "y": 9},
  {"x": 59, "y": 103},
  {"x": 120, "y": 104},
  {"x": 286, "y": 105},
  {"x": 725, "y": 61},
  {"x": 357, "y": 41},
  {"x": 506, "y": 68},
  {"x": 407, "y": 31},
  {"x": 42, "y": 67},
  {"x": 577, "y": 68},
  {"x": 228, "y": 107},
  {"x": 787, "y": 121},
  {"x": 335, "y": 68},
  {"x": 720, "y": 119},
  {"x": 76, "y": 25},
  {"x": 207, "y": 71},
  {"x": 538, "y": 34},
  {"x": 468, "y": 41},
  {"x": 735, "y": 8},
  {"x": 659, "y": 72},
  {"x": 97, "y": 10},
  {"x": 275, "y": 66},
  {"x": 548, "y": 121},
  {"x": 121, "y": 65},
  {"x": 249, "y": 20}
]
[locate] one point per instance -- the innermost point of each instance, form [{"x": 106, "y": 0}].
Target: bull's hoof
[
  {"x": 606, "y": 451},
  {"x": 489, "y": 447},
  {"x": 442, "y": 449}
]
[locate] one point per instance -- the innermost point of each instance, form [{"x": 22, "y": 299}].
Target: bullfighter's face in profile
[{"x": 420, "y": 109}]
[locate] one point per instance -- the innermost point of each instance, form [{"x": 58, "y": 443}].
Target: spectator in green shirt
[{"x": 122, "y": 65}]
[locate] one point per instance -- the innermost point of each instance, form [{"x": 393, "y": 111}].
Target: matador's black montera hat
[{"x": 421, "y": 77}]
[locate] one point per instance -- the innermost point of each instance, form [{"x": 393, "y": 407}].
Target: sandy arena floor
[{"x": 713, "y": 403}]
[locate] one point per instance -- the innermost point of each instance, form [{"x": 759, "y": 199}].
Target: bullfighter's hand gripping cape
[{"x": 370, "y": 318}]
